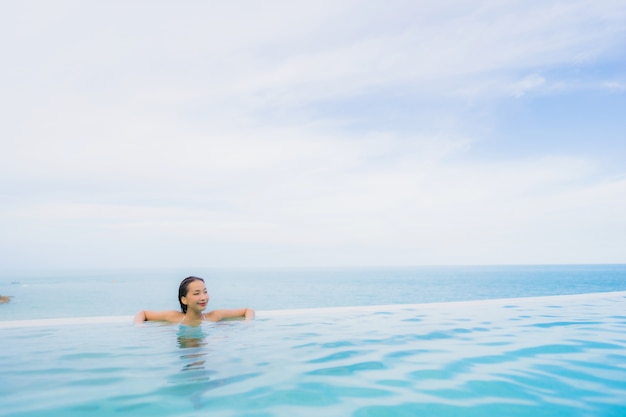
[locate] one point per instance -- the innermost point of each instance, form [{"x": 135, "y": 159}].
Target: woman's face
[{"x": 197, "y": 296}]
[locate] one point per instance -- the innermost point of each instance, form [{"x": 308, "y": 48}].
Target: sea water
[
  {"x": 81, "y": 293},
  {"x": 547, "y": 355}
]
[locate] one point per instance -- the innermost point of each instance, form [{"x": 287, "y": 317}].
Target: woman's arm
[
  {"x": 217, "y": 315},
  {"x": 170, "y": 315}
]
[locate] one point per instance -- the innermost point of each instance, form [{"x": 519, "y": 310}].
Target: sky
[{"x": 148, "y": 133}]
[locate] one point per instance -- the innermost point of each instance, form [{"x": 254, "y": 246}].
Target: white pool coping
[{"x": 614, "y": 296}]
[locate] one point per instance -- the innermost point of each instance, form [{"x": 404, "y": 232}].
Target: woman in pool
[{"x": 193, "y": 298}]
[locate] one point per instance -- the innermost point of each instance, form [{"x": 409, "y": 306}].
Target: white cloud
[
  {"x": 528, "y": 83},
  {"x": 614, "y": 85}
]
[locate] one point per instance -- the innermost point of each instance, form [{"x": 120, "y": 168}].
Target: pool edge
[{"x": 615, "y": 295}]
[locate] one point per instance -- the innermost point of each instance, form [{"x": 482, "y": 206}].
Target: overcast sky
[{"x": 324, "y": 133}]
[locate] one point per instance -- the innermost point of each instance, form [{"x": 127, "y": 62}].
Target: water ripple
[
  {"x": 339, "y": 355},
  {"x": 348, "y": 369}
]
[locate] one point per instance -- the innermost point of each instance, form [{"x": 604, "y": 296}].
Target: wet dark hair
[{"x": 183, "y": 288}]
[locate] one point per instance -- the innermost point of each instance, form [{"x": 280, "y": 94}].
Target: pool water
[{"x": 543, "y": 356}]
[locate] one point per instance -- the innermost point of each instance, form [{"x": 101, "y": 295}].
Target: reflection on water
[
  {"x": 193, "y": 376},
  {"x": 194, "y": 379},
  {"x": 193, "y": 338}
]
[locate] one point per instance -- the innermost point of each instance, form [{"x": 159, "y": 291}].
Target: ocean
[{"x": 85, "y": 293}]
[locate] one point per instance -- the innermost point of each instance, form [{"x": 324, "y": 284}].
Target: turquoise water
[
  {"x": 422, "y": 342},
  {"x": 546, "y": 356}
]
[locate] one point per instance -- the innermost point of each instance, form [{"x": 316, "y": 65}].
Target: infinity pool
[{"x": 545, "y": 356}]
